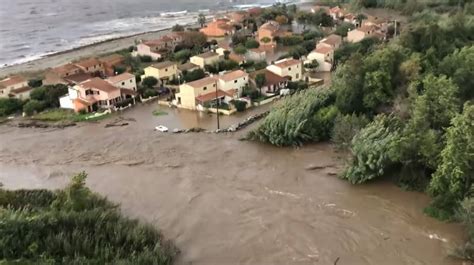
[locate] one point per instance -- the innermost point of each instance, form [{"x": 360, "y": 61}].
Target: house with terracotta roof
[
  {"x": 157, "y": 48},
  {"x": 91, "y": 95},
  {"x": 222, "y": 47},
  {"x": 351, "y": 18},
  {"x": 218, "y": 28},
  {"x": 125, "y": 81},
  {"x": 290, "y": 68},
  {"x": 232, "y": 82},
  {"x": 187, "y": 67},
  {"x": 199, "y": 92},
  {"x": 15, "y": 86},
  {"x": 334, "y": 41},
  {"x": 363, "y": 32},
  {"x": 324, "y": 55},
  {"x": 163, "y": 71},
  {"x": 203, "y": 59},
  {"x": 237, "y": 17},
  {"x": 92, "y": 66},
  {"x": 273, "y": 82},
  {"x": 110, "y": 62},
  {"x": 267, "y": 32},
  {"x": 238, "y": 58},
  {"x": 336, "y": 13}
]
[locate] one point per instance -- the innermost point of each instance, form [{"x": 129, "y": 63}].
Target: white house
[
  {"x": 125, "y": 80},
  {"x": 233, "y": 82},
  {"x": 291, "y": 68},
  {"x": 324, "y": 55}
]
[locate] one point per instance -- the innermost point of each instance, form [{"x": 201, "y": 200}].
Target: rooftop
[
  {"x": 66, "y": 68},
  {"x": 187, "y": 66},
  {"x": 270, "y": 25},
  {"x": 287, "y": 62},
  {"x": 270, "y": 77},
  {"x": 21, "y": 90},
  {"x": 212, "y": 95},
  {"x": 88, "y": 62},
  {"x": 12, "y": 80},
  {"x": 207, "y": 55},
  {"x": 332, "y": 39},
  {"x": 202, "y": 82},
  {"x": 120, "y": 78},
  {"x": 77, "y": 78},
  {"x": 99, "y": 84},
  {"x": 323, "y": 49},
  {"x": 229, "y": 76},
  {"x": 112, "y": 59},
  {"x": 164, "y": 64}
]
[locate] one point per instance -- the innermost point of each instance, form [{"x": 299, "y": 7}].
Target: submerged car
[{"x": 161, "y": 128}]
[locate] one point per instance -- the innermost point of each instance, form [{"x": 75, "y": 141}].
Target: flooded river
[{"x": 224, "y": 201}]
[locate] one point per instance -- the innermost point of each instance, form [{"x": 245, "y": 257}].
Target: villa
[
  {"x": 267, "y": 32},
  {"x": 218, "y": 28},
  {"x": 110, "y": 62},
  {"x": 358, "y": 34},
  {"x": 159, "y": 47},
  {"x": 91, "y": 95},
  {"x": 15, "y": 86},
  {"x": 204, "y": 59},
  {"x": 91, "y": 66},
  {"x": 336, "y": 13},
  {"x": 125, "y": 81},
  {"x": 232, "y": 82},
  {"x": 198, "y": 92},
  {"x": 163, "y": 71},
  {"x": 288, "y": 68},
  {"x": 273, "y": 82},
  {"x": 334, "y": 41},
  {"x": 324, "y": 55}
]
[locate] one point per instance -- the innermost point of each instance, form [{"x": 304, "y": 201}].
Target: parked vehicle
[{"x": 161, "y": 128}]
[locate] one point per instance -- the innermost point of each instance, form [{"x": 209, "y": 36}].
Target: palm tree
[{"x": 201, "y": 19}]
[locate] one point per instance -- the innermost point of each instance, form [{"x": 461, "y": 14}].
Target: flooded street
[{"x": 225, "y": 201}]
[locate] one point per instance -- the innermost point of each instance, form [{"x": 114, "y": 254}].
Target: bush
[
  {"x": 240, "y": 105},
  {"x": 150, "y": 93},
  {"x": 35, "y": 83},
  {"x": 10, "y": 106},
  {"x": 33, "y": 106},
  {"x": 124, "y": 103},
  {"x": 145, "y": 59},
  {"x": 290, "y": 40},
  {"x": 345, "y": 128},
  {"x": 119, "y": 69},
  {"x": 295, "y": 120},
  {"x": 74, "y": 226},
  {"x": 194, "y": 75},
  {"x": 149, "y": 81},
  {"x": 240, "y": 49},
  {"x": 49, "y": 94},
  {"x": 251, "y": 44}
]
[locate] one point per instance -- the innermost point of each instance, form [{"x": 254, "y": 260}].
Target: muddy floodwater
[{"x": 225, "y": 201}]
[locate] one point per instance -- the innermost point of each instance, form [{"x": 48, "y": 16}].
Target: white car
[{"x": 161, "y": 128}]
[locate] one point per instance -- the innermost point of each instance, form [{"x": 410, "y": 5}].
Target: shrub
[
  {"x": 294, "y": 120},
  {"x": 124, "y": 103},
  {"x": 145, "y": 59},
  {"x": 240, "y": 49},
  {"x": 10, "y": 106},
  {"x": 150, "y": 93},
  {"x": 33, "y": 106},
  {"x": 194, "y": 75},
  {"x": 345, "y": 128},
  {"x": 49, "y": 94},
  {"x": 290, "y": 40},
  {"x": 149, "y": 81},
  {"x": 35, "y": 83},
  {"x": 251, "y": 44},
  {"x": 74, "y": 226},
  {"x": 119, "y": 69},
  {"x": 240, "y": 105}
]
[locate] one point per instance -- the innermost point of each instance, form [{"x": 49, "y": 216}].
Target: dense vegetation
[
  {"x": 402, "y": 108},
  {"x": 74, "y": 226}
]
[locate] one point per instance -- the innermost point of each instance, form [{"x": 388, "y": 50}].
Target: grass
[
  {"x": 57, "y": 115},
  {"x": 159, "y": 112}
]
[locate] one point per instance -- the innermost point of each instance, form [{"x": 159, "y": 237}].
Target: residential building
[
  {"x": 237, "y": 17},
  {"x": 290, "y": 68},
  {"x": 336, "y": 13},
  {"x": 199, "y": 92},
  {"x": 125, "y": 80},
  {"x": 187, "y": 67},
  {"x": 110, "y": 62},
  {"x": 333, "y": 41},
  {"x": 233, "y": 82},
  {"x": 363, "y": 32},
  {"x": 324, "y": 55},
  {"x": 240, "y": 59},
  {"x": 91, "y": 95},
  {"x": 350, "y": 18},
  {"x": 222, "y": 47},
  {"x": 157, "y": 48},
  {"x": 77, "y": 78},
  {"x": 203, "y": 59},
  {"x": 92, "y": 66},
  {"x": 15, "y": 86},
  {"x": 218, "y": 28},
  {"x": 163, "y": 71},
  {"x": 256, "y": 54},
  {"x": 66, "y": 70},
  {"x": 273, "y": 82},
  {"x": 267, "y": 32}
]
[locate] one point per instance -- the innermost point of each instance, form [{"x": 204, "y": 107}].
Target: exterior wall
[
  {"x": 355, "y": 36},
  {"x": 103, "y": 97},
  {"x": 167, "y": 72},
  {"x": 128, "y": 84},
  {"x": 93, "y": 69},
  {"x": 220, "y": 51},
  {"x": 23, "y": 95},
  {"x": 67, "y": 101},
  {"x": 238, "y": 84},
  {"x": 187, "y": 94},
  {"x": 145, "y": 50},
  {"x": 197, "y": 60},
  {"x": 4, "y": 93},
  {"x": 294, "y": 71},
  {"x": 324, "y": 60},
  {"x": 256, "y": 56}
]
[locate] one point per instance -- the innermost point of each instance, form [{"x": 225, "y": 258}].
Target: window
[
  {"x": 213, "y": 85},
  {"x": 166, "y": 69},
  {"x": 289, "y": 68},
  {"x": 131, "y": 80},
  {"x": 235, "y": 81},
  {"x": 89, "y": 92},
  {"x": 87, "y": 68},
  {"x": 204, "y": 88},
  {"x": 297, "y": 75},
  {"x": 123, "y": 83}
]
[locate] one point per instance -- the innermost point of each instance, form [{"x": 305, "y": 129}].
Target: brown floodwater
[{"x": 225, "y": 201}]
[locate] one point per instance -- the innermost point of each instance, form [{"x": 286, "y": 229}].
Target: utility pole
[{"x": 217, "y": 107}]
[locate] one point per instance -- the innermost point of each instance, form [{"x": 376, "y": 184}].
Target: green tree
[
  {"x": 201, "y": 19},
  {"x": 226, "y": 55},
  {"x": 9, "y": 106},
  {"x": 266, "y": 40},
  {"x": 344, "y": 28},
  {"x": 35, "y": 83},
  {"x": 240, "y": 49},
  {"x": 460, "y": 67},
  {"x": 260, "y": 81},
  {"x": 177, "y": 28},
  {"x": 251, "y": 44},
  {"x": 33, "y": 106},
  {"x": 149, "y": 81},
  {"x": 345, "y": 128}
]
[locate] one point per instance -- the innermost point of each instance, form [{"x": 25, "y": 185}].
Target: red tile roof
[
  {"x": 88, "y": 62},
  {"x": 112, "y": 59},
  {"x": 332, "y": 39},
  {"x": 120, "y": 78},
  {"x": 232, "y": 75},
  {"x": 66, "y": 68},
  {"x": 287, "y": 63},
  {"x": 21, "y": 90},
  {"x": 163, "y": 64},
  {"x": 270, "y": 77},
  {"x": 212, "y": 95},
  {"x": 12, "y": 80},
  {"x": 98, "y": 84},
  {"x": 323, "y": 49},
  {"x": 202, "y": 82}
]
